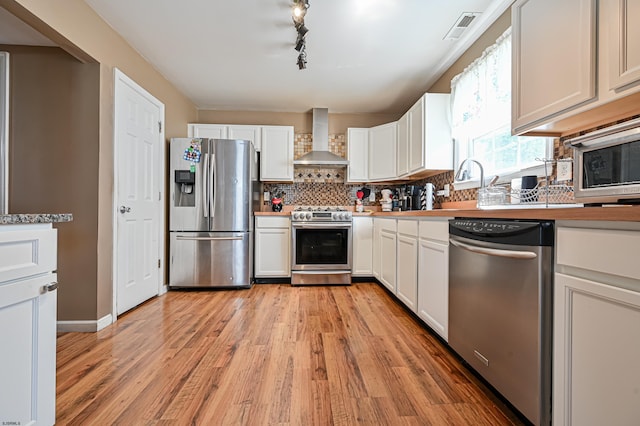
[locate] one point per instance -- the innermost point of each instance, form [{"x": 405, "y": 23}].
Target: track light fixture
[
  {"x": 300, "y": 43},
  {"x": 302, "y": 60},
  {"x": 299, "y": 11}
]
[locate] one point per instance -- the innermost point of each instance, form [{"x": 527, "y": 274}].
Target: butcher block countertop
[
  {"x": 24, "y": 219},
  {"x": 605, "y": 213}
]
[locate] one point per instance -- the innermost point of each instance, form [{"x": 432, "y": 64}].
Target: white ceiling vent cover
[{"x": 461, "y": 24}]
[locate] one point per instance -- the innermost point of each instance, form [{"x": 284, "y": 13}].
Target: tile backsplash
[{"x": 327, "y": 186}]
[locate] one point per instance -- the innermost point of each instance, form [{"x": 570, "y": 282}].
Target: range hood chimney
[{"x": 320, "y": 154}]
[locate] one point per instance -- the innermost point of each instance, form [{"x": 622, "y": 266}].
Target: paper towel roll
[
  {"x": 428, "y": 190},
  {"x": 515, "y": 189}
]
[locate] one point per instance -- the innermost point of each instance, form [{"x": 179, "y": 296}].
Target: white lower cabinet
[
  {"x": 375, "y": 260},
  {"x": 272, "y": 247},
  {"x": 433, "y": 275},
  {"x": 407, "y": 263},
  {"x": 362, "y": 247},
  {"x": 28, "y": 299},
  {"x": 596, "y": 327},
  {"x": 386, "y": 252}
]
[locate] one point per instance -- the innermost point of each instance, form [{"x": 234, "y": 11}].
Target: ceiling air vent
[{"x": 461, "y": 24}]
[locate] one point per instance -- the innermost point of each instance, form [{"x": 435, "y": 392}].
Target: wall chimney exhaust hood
[{"x": 320, "y": 154}]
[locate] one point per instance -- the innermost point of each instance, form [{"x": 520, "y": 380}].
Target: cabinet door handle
[{"x": 49, "y": 287}]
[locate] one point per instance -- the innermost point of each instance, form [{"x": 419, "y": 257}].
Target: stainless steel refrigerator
[{"x": 214, "y": 190}]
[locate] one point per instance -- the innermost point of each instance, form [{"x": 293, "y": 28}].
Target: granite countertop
[{"x": 22, "y": 219}]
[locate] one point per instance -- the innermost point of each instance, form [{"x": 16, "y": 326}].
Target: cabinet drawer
[
  {"x": 408, "y": 227},
  {"x": 27, "y": 252},
  {"x": 609, "y": 251},
  {"x": 435, "y": 230},
  {"x": 272, "y": 222}
]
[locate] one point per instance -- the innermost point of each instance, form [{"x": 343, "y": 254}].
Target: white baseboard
[{"x": 90, "y": 326}]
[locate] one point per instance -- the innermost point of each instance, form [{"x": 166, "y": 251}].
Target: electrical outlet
[
  {"x": 564, "y": 170},
  {"x": 444, "y": 192},
  {"x": 372, "y": 197},
  {"x": 266, "y": 195}
]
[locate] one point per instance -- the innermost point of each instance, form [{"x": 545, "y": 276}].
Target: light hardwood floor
[{"x": 276, "y": 355}]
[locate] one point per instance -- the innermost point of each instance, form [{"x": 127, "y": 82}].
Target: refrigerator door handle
[
  {"x": 212, "y": 176},
  {"x": 236, "y": 238},
  {"x": 205, "y": 202}
]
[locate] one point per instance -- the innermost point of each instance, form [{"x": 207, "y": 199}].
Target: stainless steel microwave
[{"x": 607, "y": 164}]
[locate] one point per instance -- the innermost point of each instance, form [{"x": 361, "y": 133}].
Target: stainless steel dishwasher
[{"x": 500, "y": 307}]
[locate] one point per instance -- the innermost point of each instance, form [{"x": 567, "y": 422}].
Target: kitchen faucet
[{"x": 459, "y": 173}]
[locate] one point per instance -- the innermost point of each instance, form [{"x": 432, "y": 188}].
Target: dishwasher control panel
[
  {"x": 518, "y": 232},
  {"x": 493, "y": 227}
]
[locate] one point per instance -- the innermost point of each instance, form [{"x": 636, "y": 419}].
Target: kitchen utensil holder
[{"x": 545, "y": 192}]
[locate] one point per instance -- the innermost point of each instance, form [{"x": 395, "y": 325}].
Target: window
[{"x": 481, "y": 119}]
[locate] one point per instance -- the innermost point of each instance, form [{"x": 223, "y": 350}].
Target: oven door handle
[
  {"x": 323, "y": 225},
  {"x": 512, "y": 254}
]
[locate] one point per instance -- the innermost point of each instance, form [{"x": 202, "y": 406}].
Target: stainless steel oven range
[{"x": 321, "y": 246}]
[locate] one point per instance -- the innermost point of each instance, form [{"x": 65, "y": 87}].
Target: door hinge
[
  {"x": 160, "y": 126},
  {"x": 158, "y": 263}
]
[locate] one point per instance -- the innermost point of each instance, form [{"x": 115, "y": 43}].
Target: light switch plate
[{"x": 564, "y": 170}]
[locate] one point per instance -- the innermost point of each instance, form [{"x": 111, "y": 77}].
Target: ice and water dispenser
[{"x": 185, "y": 188}]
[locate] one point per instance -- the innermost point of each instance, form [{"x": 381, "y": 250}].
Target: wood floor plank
[{"x": 271, "y": 355}]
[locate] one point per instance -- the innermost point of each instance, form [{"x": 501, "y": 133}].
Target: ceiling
[{"x": 364, "y": 56}]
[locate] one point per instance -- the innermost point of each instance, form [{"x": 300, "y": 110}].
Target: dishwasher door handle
[{"x": 495, "y": 252}]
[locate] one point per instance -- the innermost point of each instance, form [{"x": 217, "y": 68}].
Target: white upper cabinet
[
  {"x": 213, "y": 131},
  {"x": 382, "y": 152},
  {"x": 358, "y": 154},
  {"x": 402, "y": 148},
  {"x": 575, "y": 63},
  {"x": 249, "y": 133},
  {"x": 554, "y": 59},
  {"x": 430, "y": 143},
  {"x": 276, "y": 155},
  {"x": 623, "y": 18},
  {"x": 226, "y": 131},
  {"x": 275, "y": 143}
]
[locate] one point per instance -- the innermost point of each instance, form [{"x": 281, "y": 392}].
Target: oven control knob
[
  {"x": 296, "y": 215},
  {"x": 308, "y": 216}
]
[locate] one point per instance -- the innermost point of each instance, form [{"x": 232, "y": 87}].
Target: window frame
[{"x": 477, "y": 109}]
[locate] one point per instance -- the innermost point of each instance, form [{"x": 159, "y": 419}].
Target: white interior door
[{"x": 139, "y": 162}]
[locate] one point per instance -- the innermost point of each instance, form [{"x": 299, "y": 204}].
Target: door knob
[{"x": 124, "y": 209}]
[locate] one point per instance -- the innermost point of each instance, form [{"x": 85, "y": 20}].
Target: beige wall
[
  {"x": 302, "y": 122},
  {"x": 54, "y": 148},
  {"x": 73, "y": 24}
]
